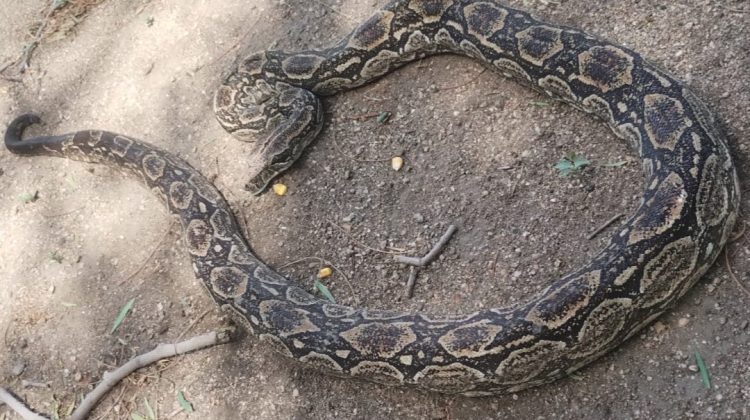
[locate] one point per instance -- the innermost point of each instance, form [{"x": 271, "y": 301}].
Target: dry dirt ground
[{"x": 479, "y": 153}]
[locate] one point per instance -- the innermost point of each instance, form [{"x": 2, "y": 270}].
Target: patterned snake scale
[{"x": 689, "y": 206}]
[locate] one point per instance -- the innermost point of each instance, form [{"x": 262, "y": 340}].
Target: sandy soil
[{"x": 479, "y": 153}]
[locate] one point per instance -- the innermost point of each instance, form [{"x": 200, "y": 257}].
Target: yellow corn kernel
[
  {"x": 280, "y": 189},
  {"x": 325, "y": 272}
]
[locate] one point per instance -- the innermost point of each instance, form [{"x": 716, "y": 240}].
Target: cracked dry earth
[{"x": 479, "y": 153}]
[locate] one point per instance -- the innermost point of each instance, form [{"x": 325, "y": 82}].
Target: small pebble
[
  {"x": 418, "y": 217},
  {"x": 683, "y": 322},
  {"x": 659, "y": 327},
  {"x": 397, "y": 163},
  {"x": 693, "y": 368},
  {"x": 744, "y": 324}
]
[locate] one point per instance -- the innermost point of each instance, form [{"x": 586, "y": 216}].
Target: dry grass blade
[{"x": 728, "y": 266}]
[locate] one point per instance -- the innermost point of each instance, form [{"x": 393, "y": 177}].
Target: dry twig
[
  {"x": 19, "y": 407},
  {"x": 605, "y": 225},
  {"x": 111, "y": 379},
  {"x": 434, "y": 252},
  {"x": 412, "y": 282},
  {"x": 162, "y": 351},
  {"x": 193, "y": 322},
  {"x": 731, "y": 274},
  {"x": 151, "y": 255},
  {"x": 356, "y": 242}
]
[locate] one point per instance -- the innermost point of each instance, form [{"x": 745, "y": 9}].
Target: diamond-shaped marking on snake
[
  {"x": 470, "y": 340},
  {"x": 302, "y": 66},
  {"x": 665, "y": 272},
  {"x": 198, "y": 236},
  {"x": 665, "y": 207},
  {"x": 153, "y": 166},
  {"x": 180, "y": 195},
  {"x": 565, "y": 302},
  {"x": 374, "y": 32},
  {"x": 605, "y": 67},
  {"x": 665, "y": 120},
  {"x": 229, "y": 282},
  {"x": 483, "y": 21},
  {"x": 539, "y": 43},
  {"x": 285, "y": 318},
  {"x": 430, "y": 10},
  {"x": 381, "y": 340}
]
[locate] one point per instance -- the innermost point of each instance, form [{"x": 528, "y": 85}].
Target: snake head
[{"x": 281, "y": 118}]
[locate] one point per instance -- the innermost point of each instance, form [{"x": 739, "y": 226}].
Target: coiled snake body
[{"x": 689, "y": 206}]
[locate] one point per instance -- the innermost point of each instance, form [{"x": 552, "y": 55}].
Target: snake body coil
[{"x": 689, "y": 206}]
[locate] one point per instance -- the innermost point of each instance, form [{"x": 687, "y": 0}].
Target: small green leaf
[
  {"x": 384, "y": 117},
  {"x": 56, "y": 4},
  {"x": 27, "y": 198},
  {"x": 121, "y": 316},
  {"x": 324, "y": 291},
  {"x": 703, "y": 369},
  {"x": 565, "y": 165},
  {"x": 137, "y": 416},
  {"x": 186, "y": 405},
  {"x": 580, "y": 162},
  {"x": 571, "y": 163},
  {"x": 151, "y": 413}
]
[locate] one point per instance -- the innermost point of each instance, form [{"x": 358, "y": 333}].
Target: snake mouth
[{"x": 259, "y": 183}]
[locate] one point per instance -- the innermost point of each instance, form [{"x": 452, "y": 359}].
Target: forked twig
[{"x": 434, "y": 252}]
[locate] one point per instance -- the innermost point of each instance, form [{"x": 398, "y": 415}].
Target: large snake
[{"x": 689, "y": 207}]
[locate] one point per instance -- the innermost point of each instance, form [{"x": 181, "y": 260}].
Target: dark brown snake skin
[{"x": 689, "y": 206}]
